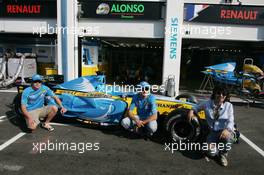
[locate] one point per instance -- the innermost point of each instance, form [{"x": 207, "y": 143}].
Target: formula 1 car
[
  {"x": 249, "y": 83},
  {"x": 90, "y": 100}
]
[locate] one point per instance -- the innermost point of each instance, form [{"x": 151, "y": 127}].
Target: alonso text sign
[{"x": 121, "y": 9}]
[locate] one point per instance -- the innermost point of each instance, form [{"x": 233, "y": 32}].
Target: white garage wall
[
  {"x": 25, "y": 25},
  {"x": 223, "y": 32},
  {"x": 1, "y": 25},
  {"x": 120, "y": 28},
  {"x": 106, "y": 28}
]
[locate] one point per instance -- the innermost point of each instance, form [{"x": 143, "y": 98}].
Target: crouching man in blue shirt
[
  {"x": 220, "y": 119},
  {"x": 32, "y": 104},
  {"x": 146, "y": 117}
]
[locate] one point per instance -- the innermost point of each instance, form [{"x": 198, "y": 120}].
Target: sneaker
[
  {"x": 47, "y": 127},
  {"x": 223, "y": 160},
  {"x": 41, "y": 119},
  {"x": 135, "y": 130}
]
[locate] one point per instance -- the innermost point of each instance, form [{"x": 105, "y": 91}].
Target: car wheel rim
[{"x": 182, "y": 130}]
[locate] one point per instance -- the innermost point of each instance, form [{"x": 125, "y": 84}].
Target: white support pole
[
  {"x": 173, "y": 41},
  {"x": 59, "y": 39},
  {"x": 67, "y": 41},
  {"x": 76, "y": 72}
]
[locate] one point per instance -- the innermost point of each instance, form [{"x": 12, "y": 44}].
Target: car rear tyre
[{"x": 179, "y": 129}]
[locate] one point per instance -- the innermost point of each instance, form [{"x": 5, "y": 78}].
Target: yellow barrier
[
  {"x": 89, "y": 70},
  {"x": 41, "y": 68},
  {"x": 51, "y": 71}
]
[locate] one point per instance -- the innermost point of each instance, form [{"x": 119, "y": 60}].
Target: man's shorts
[{"x": 39, "y": 113}]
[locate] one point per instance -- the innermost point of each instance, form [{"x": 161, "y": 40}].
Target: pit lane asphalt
[{"x": 120, "y": 153}]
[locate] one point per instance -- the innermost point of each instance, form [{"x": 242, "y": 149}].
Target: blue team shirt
[
  {"x": 34, "y": 99},
  {"x": 145, "y": 106}
]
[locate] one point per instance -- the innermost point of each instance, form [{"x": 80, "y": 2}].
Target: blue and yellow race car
[{"x": 90, "y": 100}]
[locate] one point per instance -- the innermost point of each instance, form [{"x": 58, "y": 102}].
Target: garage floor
[{"x": 119, "y": 152}]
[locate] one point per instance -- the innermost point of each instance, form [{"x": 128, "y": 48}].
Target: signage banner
[
  {"x": 224, "y": 14},
  {"x": 121, "y": 9},
  {"x": 173, "y": 42},
  {"x": 28, "y": 8}
]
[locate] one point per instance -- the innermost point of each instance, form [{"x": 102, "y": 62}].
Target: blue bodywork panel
[{"x": 98, "y": 109}]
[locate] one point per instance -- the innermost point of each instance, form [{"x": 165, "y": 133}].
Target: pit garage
[
  {"x": 197, "y": 54},
  {"x": 123, "y": 60},
  {"x": 44, "y": 48}
]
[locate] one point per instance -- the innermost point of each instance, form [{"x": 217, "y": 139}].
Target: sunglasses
[
  {"x": 145, "y": 89},
  {"x": 37, "y": 81}
]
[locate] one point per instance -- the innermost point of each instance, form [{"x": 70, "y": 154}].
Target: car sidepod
[{"x": 101, "y": 110}]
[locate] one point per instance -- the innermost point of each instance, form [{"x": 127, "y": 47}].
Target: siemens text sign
[
  {"x": 121, "y": 9},
  {"x": 173, "y": 37},
  {"x": 28, "y": 8}
]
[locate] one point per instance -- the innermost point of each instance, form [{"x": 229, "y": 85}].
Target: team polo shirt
[
  {"x": 145, "y": 106},
  {"x": 34, "y": 99}
]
